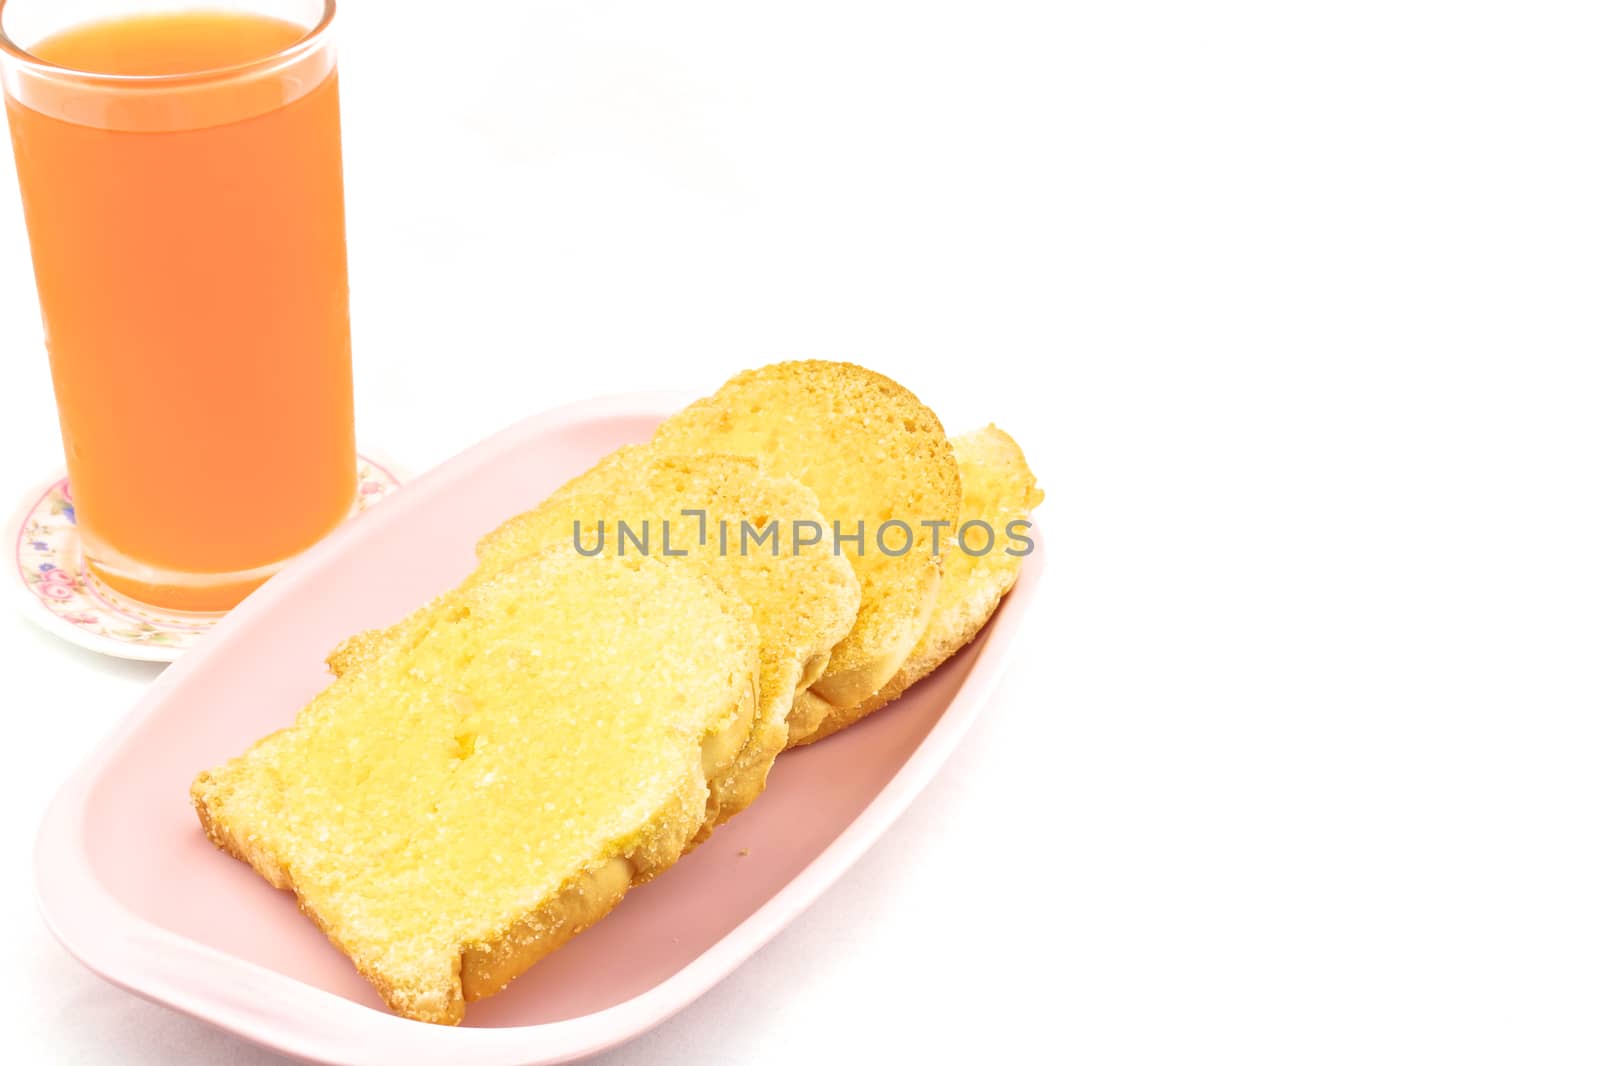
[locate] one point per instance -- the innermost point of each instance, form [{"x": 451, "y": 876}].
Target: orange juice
[{"x": 189, "y": 248}]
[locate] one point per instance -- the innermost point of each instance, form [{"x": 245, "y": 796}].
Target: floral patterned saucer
[{"x": 58, "y": 592}]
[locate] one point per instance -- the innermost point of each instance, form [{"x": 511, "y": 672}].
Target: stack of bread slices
[{"x": 490, "y": 775}]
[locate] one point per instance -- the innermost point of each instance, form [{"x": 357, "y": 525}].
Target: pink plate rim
[{"x": 296, "y": 1019}]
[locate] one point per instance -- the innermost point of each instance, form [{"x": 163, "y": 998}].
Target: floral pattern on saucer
[{"x": 83, "y": 609}]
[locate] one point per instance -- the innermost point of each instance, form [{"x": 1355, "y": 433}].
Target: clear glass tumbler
[{"x": 184, "y": 196}]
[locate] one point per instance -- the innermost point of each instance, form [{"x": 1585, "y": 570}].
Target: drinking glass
[{"x": 183, "y": 191}]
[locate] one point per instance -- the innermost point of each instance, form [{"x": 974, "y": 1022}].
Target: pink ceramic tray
[{"x": 132, "y": 888}]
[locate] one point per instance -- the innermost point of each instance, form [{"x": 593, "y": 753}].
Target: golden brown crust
[
  {"x": 873, "y": 453},
  {"x": 998, "y": 488}
]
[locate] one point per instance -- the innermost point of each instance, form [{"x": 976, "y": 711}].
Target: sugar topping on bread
[{"x": 460, "y": 804}]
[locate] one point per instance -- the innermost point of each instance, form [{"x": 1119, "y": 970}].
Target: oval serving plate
[{"x": 132, "y": 888}]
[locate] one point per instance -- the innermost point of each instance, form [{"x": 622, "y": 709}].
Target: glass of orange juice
[{"x": 182, "y": 185}]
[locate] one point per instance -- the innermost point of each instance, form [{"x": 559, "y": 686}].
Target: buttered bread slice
[
  {"x": 997, "y": 489},
  {"x": 465, "y": 800},
  {"x": 874, "y": 456}
]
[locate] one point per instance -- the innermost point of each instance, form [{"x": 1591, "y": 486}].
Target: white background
[{"x": 1292, "y": 306}]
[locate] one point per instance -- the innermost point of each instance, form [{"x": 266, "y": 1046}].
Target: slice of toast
[
  {"x": 873, "y": 454},
  {"x": 462, "y": 803},
  {"x": 997, "y": 488},
  {"x": 804, "y": 598}
]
